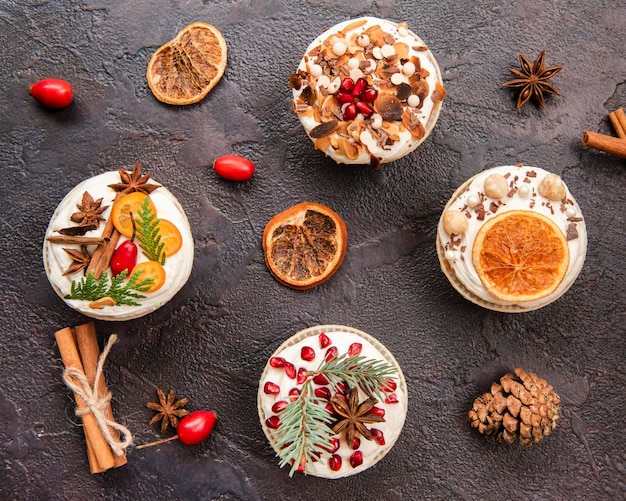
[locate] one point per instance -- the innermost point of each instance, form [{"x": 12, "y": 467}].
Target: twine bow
[{"x": 76, "y": 380}]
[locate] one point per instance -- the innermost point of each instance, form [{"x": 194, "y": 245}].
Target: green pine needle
[
  {"x": 148, "y": 235},
  {"x": 90, "y": 289}
]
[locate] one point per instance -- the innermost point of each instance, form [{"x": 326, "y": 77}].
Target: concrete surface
[{"x": 212, "y": 340}]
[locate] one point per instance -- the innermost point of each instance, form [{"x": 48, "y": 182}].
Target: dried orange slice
[
  {"x": 305, "y": 245},
  {"x": 520, "y": 256},
  {"x": 186, "y": 68},
  {"x": 150, "y": 269},
  {"x": 170, "y": 237},
  {"x": 120, "y": 213}
]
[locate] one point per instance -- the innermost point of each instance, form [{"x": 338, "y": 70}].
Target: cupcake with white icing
[
  {"x": 367, "y": 91},
  {"x": 332, "y": 401},
  {"x": 118, "y": 246},
  {"x": 512, "y": 238}
]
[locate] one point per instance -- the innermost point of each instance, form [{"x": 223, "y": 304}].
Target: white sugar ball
[
  {"x": 363, "y": 40},
  {"x": 339, "y": 48},
  {"x": 408, "y": 68},
  {"x": 472, "y": 201},
  {"x": 388, "y": 50},
  {"x": 524, "y": 191},
  {"x": 397, "y": 78},
  {"x": 413, "y": 101}
]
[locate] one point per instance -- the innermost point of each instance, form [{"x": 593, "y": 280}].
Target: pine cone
[{"x": 517, "y": 410}]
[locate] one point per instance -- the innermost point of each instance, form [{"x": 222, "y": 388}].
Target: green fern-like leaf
[
  {"x": 148, "y": 234},
  {"x": 89, "y": 288}
]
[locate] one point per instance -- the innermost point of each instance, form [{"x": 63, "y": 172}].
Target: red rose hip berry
[
  {"x": 234, "y": 168},
  {"x": 53, "y": 93}
]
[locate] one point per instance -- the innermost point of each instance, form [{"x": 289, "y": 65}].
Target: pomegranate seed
[
  {"x": 334, "y": 445},
  {"x": 324, "y": 340},
  {"x": 378, "y": 435},
  {"x": 334, "y": 463},
  {"x": 355, "y": 348},
  {"x": 344, "y": 97},
  {"x": 294, "y": 393},
  {"x": 356, "y": 459},
  {"x": 283, "y": 447},
  {"x": 365, "y": 108},
  {"x": 347, "y": 84},
  {"x": 356, "y": 443},
  {"x": 300, "y": 468},
  {"x": 290, "y": 370},
  {"x": 322, "y": 392},
  {"x": 320, "y": 379},
  {"x": 279, "y": 406},
  {"x": 378, "y": 411},
  {"x": 343, "y": 387},
  {"x": 271, "y": 388},
  {"x": 273, "y": 422},
  {"x": 389, "y": 385},
  {"x": 330, "y": 408},
  {"x": 277, "y": 362},
  {"x": 307, "y": 353},
  {"x": 359, "y": 87},
  {"x": 302, "y": 375},
  {"x": 350, "y": 112},
  {"x": 392, "y": 399},
  {"x": 331, "y": 353},
  {"x": 369, "y": 95}
]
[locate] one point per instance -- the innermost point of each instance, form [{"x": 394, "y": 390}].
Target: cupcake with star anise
[
  {"x": 367, "y": 91},
  {"x": 118, "y": 246},
  {"x": 512, "y": 238},
  {"x": 332, "y": 401}
]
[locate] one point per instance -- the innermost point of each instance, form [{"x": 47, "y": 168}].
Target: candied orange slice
[
  {"x": 150, "y": 269},
  {"x": 520, "y": 256},
  {"x": 120, "y": 213},
  {"x": 186, "y": 68},
  {"x": 305, "y": 245},
  {"x": 170, "y": 237}
]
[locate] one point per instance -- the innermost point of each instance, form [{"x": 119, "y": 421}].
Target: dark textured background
[{"x": 213, "y": 339}]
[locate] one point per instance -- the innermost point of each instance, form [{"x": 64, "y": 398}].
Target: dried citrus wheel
[
  {"x": 186, "y": 68},
  {"x": 520, "y": 256},
  {"x": 305, "y": 245},
  {"x": 170, "y": 237},
  {"x": 150, "y": 269},
  {"x": 120, "y": 213}
]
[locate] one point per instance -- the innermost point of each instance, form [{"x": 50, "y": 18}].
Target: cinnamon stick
[
  {"x": 102, "y": 255},
  {"x": 80, "y": 240},
  {"x": 618, "y": 119},
  {"x": 101, "y": 456},
  {"x": 607, "y": 144},
  {"x": 90, "y": 353}
]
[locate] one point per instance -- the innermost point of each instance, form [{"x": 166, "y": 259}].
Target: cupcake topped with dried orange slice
[
  {"x": 367, "y": 91},
  {"x": 118, "y": 246},
  {"x": 512, "y": 238}
]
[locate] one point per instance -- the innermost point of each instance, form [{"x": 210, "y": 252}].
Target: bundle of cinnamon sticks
[
  {"x": 79, "y": 349},
  {"x": 609, "y": 144}
]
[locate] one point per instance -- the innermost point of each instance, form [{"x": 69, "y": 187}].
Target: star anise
[
  {"x": 134, "y": 181},
  {"x": 354, "y": 415},
  {"x": 81, "y": 259},
  {"x": 168, "y": 410},
  {"x": 89, "y": 211},
  {"x": 533, "y": 80}
]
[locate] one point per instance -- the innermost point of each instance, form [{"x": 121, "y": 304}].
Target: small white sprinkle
[
  {"x": 355, "y": 74},
  {"x": 472, "y": 201},
  {"x": 413, "y": 101},
  {"x": 570, "y": 212},
  {"x": 323, "y": 81},
  {"x": 524, "y": 191},
  {"x": 334, "y": 85},
  {"x": 402, "y": 31},
  {"x": 339, "y": 48},
  {"x": 377, "y": 121},
  {"x": 376, "y": 52},
  {"x": 363, "y": 40},
  {"x": 397, "y": 78},
  {"x": 353, "y": 62},
  {"x": 408, "y": 68},
  {"x": 388, "y": 51},
  {"x": 316, "y": 70},
  {"x": 450, "y": 255}
]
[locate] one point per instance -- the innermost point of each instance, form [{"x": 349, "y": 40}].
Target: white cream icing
[
  {"x": 342, "y": 338},
  {"x": 524, "y": 194},
  {"x": 56, "y": 261},
  {"x": 429, "y": 111}
]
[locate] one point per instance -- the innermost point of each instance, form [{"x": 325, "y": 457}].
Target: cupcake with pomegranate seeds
[
  {"x": 332, "y": 401},
  {"x": 367, "y": 91},
  {"x": 118, "y": 246}
]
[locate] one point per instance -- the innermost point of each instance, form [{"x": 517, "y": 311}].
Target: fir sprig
[
  {"x": 89, "y": 288},
  {"x": 148, "y": 234},
  {"x": 304, "y": 432}
]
